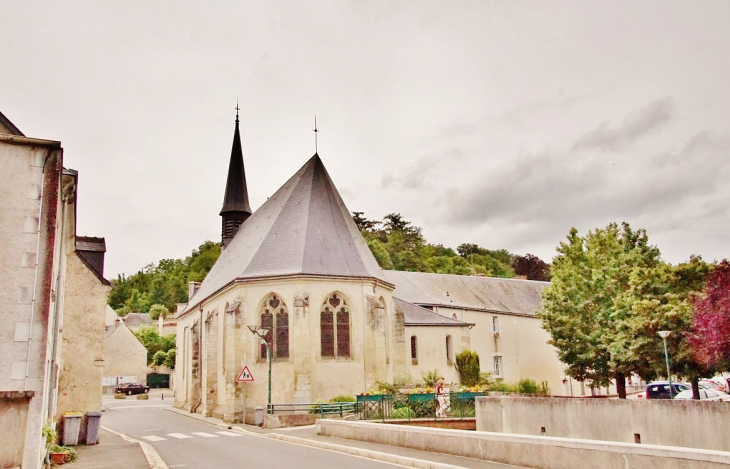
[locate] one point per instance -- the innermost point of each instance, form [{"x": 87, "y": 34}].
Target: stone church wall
[{"x": 305, "y": 375}]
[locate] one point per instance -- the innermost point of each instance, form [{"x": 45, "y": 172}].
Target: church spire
[{"x": 236, "y": 208}]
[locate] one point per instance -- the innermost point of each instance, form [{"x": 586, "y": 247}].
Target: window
[
  {"x": 497, "y": 365},
  {"x": 275, "y": 317},
  {"x": 334, "y": 319},
  {"x": 414, "y": 350},
  {"x": 449, "y": 355},
  {"x": 495, "y": 324}
]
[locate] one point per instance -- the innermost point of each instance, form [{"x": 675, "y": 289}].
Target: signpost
[{"x": 245, "y": 375}]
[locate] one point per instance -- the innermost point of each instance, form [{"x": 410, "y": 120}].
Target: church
[{"x": 297, "y": 280}]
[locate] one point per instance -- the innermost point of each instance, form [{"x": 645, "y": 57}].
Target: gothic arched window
[
  {"x": 275, "y": 317},
  {"x": 334, "y": 319}
]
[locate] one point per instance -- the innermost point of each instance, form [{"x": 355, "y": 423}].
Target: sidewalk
[
  {"x": 395, "y": 454},
  {"x": 111, "y": 452}
]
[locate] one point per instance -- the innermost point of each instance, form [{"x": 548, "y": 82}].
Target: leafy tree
[
  {"x": 158, "y": 310},
  {"x": 154, "y": 342},
  {"x": 711, "y": 341},
  {"x": 658, "y": 299},
  {"x": 123, "y": 311},
  {"x": 363, "y": 224},
  {"x": 531, "y": 267},
  {"x": 579, "y": 309}
]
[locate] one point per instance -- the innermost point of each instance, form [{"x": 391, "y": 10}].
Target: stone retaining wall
[{"x": 528, "y": 451}]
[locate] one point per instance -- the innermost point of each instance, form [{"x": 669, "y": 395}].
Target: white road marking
[
  {"x": 179, "y": 435},
  {"x": 229, "y": 433},
  {"x": 154, "y": 438},
  {"x": 206, "y": 435}
]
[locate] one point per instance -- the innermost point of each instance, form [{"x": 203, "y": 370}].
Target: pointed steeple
[{"x": 236, "y": 208}]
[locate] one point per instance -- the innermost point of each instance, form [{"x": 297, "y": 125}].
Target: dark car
[
  {"x": 660, "y": 389},
  {"x": 132, "y": 388}
]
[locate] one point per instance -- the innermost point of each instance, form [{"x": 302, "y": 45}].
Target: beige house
[
  {"x": 506, "y": 333},
  {"x": 125, "y": 358},
  {"x": 299, "y": 273},
  {"x": 52, "y": 298}
]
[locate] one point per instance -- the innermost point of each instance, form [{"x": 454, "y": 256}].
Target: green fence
[{"x": 417, "y": 406}]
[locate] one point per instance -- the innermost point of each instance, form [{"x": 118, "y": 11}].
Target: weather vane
[{"x": 315, "y": 133}]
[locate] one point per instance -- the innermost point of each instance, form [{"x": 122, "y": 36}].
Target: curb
[
  {"x": 365, "y": 453},
  {"x": 153, "y": 458}
]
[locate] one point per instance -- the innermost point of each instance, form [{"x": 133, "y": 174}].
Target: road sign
[{"x": 245, "y": 375}]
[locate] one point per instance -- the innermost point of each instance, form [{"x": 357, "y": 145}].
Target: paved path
[
  {"x": 192, "y": 441},
  {"x": 183, "y": 442}
]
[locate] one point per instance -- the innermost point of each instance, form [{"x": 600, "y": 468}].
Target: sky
[{"x": 498, "y": 123}]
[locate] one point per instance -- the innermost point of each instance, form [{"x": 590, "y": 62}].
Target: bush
[
  {"x": 485, "y": 378},
  {"x": 430, "y": 377},
  {"x": 344, "y": 398},
  {"x": 501, "y": 386},
  {"x": 403, "y": 381},
  {"x": 467, "y": 364},
  {"x": 389, "y": 388},
  {"x": 527, "y": 386}
]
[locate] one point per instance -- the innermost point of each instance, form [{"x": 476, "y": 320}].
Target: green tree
[
  {"x": 154, "y": 342},
  {"x": 157, "y": 310},
  {"x": 580, "y": 309},
  {"x": 660, "y": 298}
]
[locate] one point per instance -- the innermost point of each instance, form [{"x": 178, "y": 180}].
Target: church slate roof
[
  {"x": 416, "y": 316},
  {"x": 304, "y": 228},
  {"x": 513, "y": 296}
]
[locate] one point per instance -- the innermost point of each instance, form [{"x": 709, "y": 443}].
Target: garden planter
[{"x": 58, "y": 458}]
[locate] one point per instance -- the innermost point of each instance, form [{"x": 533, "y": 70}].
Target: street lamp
[
  {"x": 261, "y": 333},
  {"x": 664, "y": 335}
]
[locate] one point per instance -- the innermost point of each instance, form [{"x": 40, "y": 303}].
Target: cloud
[
  {"x": 635, "y": 126},
  {"x": 417, "y": 174},
  {"x": 555, "y": 191}
]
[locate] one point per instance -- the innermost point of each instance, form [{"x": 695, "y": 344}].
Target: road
[{"x": 183, "y": 442}]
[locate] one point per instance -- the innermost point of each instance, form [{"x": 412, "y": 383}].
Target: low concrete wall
[
  {"x": 692, "y": 424},
  {"x": 528, "y": 451}
]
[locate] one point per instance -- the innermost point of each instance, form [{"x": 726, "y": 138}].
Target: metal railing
[
  {"x": 340, "y": 409},
  {"x": 417, "y": 406}
]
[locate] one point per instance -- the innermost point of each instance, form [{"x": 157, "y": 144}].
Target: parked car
[
  {"x": 660, "y": 390},
  {"x": 715, "y": 384},
  {"x": 132, "y": 388},
  {"x": 705, "y": 395}
]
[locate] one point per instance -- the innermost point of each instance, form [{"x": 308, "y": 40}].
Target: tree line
[{"x": 395, "y": 242}]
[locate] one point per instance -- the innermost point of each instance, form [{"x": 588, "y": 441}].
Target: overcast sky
[{"x": 497, "y": 123}]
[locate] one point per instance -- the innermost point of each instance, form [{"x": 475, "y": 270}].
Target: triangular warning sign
[{"x": 245, "y": 375}]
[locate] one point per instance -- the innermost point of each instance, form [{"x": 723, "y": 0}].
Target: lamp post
[
  {"x": 664, "y": 335},
  {"x": 261, "y": 333}
]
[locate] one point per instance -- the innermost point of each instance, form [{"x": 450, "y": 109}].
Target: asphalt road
[{"x": 183, "y": 442}]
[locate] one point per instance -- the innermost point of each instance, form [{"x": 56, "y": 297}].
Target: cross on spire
[
  {"x": 315, "y": 133},
  {"x": 237, "y": 109}
]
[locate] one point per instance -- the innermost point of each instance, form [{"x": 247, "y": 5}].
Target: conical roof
[
  {"x": 236, "y": 196},
  {"x": 304, "y": 228}
]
